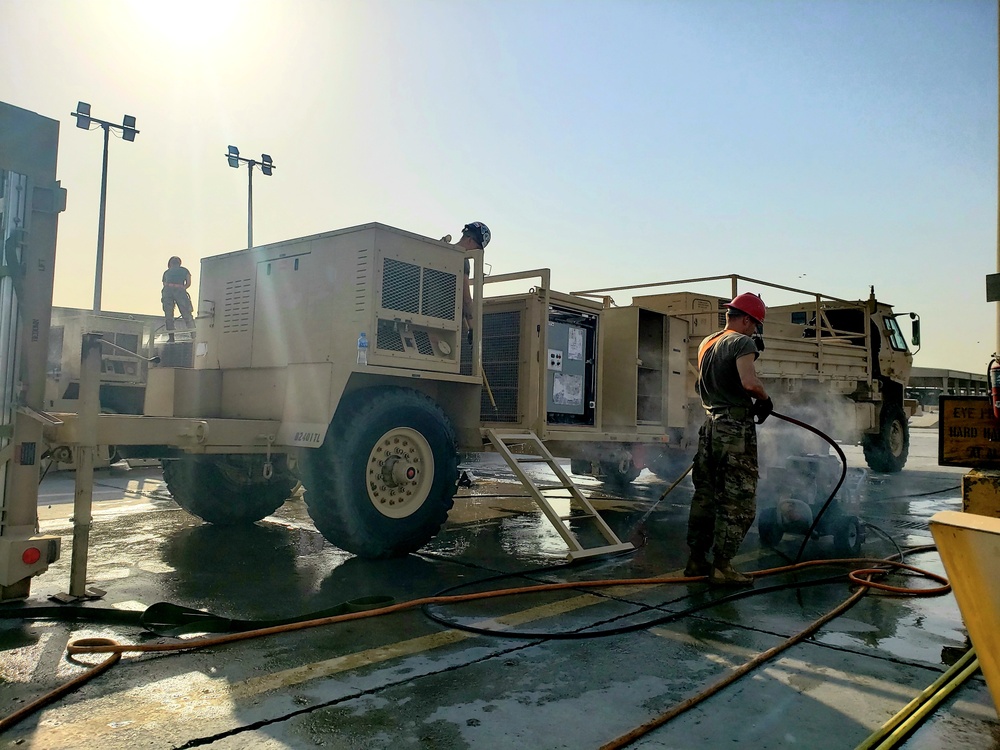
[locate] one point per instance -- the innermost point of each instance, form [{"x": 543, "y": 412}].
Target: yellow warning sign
[{"x": 968, "y": 434}]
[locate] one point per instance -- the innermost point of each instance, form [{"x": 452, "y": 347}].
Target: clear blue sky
[{"x": 822, "y": 145}]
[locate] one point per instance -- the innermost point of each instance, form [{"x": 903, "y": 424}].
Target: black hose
[
  {"x": 843, "y": 476},
  {"x": 427, "y": 609},
  {"x": 71, "y": 613},
  {"x": 887, "y": 536},
  {"x": 950, "y": 488},
  {"x": 581, "y": 634}
]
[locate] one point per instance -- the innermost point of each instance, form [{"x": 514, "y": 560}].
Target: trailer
[{"x": 281, "y": 390}]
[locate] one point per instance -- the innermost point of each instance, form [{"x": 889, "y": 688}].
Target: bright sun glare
[{"x": 187, "y": 22}]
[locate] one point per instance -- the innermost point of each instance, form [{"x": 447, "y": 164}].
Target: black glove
[
  {"x": 470, "y": 337},
  {"x": 762, "y": 409}
]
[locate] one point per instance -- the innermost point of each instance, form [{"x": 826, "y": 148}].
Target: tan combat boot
[
  {"x": 724, "y": 574},
  {"x": 697, "y": 566}
]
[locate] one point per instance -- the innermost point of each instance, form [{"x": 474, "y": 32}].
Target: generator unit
[
  {"x": 540, "y": 360},
  {"x": 123, "y": 376},
  {"x": 279, "y": 329}
]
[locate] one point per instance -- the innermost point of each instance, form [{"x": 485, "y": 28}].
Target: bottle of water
[{"x": 362, "y": 349}]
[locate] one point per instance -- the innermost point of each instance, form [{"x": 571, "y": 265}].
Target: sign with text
[{"x": 968, "y": 434}]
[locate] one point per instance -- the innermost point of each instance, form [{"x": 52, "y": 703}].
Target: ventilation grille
[
  {"x": 423, "y": 342},
  {"x": 401, "y": 286},
  {"x": 420, "y": 291},
  {"x": 438, "y": 297},
  {"x": 502, "y": 365},
  {"x": 361, "y": 280},
  {"x": 236, "y": 306},
  {"x": 387, "y": 337}
]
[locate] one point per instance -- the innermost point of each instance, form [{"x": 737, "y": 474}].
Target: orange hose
[
  {"x": 22, "y": 713},
  {"x": 855, "y": 576},
  {"x": 629, "y": 737},
  {"x": 108, "y": 646}
]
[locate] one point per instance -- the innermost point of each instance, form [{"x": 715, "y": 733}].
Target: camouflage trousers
[
  {"x": 171, "y": 296},
  {"x": 725, "y": 486}
]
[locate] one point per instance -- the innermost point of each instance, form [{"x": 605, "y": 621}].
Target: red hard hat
[{"x": 749, "y": 304}]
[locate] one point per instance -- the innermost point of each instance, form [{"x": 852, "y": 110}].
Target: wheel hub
[
  {"x": 400, "y": 472},
  {"x": 397, "y": 471}
]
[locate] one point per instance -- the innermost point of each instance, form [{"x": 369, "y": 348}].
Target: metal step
[{"x": 503, "y": 441}]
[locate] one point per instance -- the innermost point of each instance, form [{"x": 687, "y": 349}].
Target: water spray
[{"x": 816, "y": 518}]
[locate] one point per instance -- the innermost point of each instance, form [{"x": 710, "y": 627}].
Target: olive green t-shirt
[
  {"x": 718, "y": 379},
  {"x": 176, "y": 275}
]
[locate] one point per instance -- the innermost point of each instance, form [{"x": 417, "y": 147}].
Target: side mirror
[{"x": 915, "y": 336}]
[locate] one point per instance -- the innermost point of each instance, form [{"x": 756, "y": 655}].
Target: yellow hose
[{"x": 913, "y": 713}]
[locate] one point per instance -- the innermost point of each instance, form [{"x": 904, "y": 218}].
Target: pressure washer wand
[
  {"x": 822, "y": 510},
  {"x": 648, "y": 513}
]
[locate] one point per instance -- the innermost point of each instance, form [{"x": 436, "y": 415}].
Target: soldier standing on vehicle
[
  {"x": 176, "y": 280},
  {"x": 475, "y": 236},
  {"x": 725, "y": 466}
]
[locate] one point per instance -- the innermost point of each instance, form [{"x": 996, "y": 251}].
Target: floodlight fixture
[
  {"x": 266, "y": 165},
  {"x": 82, "y": 115},
  {"x": 127, "y": 128}
]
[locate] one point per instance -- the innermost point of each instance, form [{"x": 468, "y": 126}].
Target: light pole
[
  {"x": 266, "y": 166},
  {"x": 84, "y": 120}
]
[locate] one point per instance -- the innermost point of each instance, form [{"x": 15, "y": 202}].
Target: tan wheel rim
[
  {"x": 896, "y": 439},
  {"x": 400, "y": 472}
]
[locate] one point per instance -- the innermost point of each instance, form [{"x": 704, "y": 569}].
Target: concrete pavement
[{"x": 407, "y": 681}]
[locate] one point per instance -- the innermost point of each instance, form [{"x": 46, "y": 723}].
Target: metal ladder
[{"x": 502, "y": 442}]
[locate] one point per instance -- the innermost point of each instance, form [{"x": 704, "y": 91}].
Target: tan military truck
[
  {"x": 339, "y": 360},
  {"x": 840, "y": 365}
]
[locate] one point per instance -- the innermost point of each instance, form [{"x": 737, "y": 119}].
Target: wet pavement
[{"x": 408, "y": 681}]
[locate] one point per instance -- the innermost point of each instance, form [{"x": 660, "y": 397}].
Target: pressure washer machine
[{"x": 795, "y": 494}]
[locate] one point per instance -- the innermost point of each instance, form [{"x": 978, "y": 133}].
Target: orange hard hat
[{"x": 749, "y": 304}]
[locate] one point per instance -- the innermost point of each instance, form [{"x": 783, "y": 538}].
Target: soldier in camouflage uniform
[
  {"x": 176, "y": 280},
  {"x": 725, "y": 466}
]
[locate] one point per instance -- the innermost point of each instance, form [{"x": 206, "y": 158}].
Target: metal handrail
[{"x": 734, "y": 278}]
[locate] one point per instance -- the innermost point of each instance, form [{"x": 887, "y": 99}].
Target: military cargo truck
[
  {"x": 843, "y": 365},
  {"x": 339, "y": 360}
]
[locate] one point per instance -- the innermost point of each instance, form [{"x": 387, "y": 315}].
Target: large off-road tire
[
  {"x": 226, "y": 490},
  {"x": 619, "y": 473},
  {"x": 887, "y": 451},
  {"x": 382, "y": 483}
]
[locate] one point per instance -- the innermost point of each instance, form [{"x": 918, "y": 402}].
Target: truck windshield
[{"x": 895, "y": 335}]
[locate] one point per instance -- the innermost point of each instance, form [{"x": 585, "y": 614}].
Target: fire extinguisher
[{"x": 993, "y": 377}]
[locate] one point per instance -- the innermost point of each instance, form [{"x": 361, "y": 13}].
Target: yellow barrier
[{"x": 969, "y": 545}]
